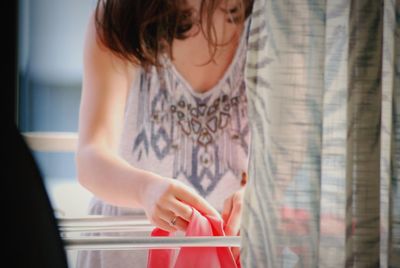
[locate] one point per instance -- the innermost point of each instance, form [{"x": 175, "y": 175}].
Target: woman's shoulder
[{"x": 97, "y": 55}]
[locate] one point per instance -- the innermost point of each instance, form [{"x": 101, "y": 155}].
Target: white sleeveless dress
[{"x": 201, "y": 139}]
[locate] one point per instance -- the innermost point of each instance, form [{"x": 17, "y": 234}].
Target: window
[{"x": 50, "y": 48}]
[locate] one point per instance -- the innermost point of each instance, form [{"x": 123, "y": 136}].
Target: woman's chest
[
  {"x": 201, "y": 63},
  {"x": 199, "y": 138}
]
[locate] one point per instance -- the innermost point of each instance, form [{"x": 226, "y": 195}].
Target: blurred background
[{"x": 50, "y": 45}]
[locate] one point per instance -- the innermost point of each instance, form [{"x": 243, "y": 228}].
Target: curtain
[{"x": 323, "y": 79}]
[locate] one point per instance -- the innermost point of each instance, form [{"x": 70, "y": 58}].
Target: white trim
[{"x": 51, "y": 141}]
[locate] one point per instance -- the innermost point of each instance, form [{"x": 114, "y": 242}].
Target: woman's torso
[
  {"x": 173, "y": 129},
  {"x": 189, "y": 122}
]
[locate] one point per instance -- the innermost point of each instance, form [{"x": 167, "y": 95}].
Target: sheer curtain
[{"x": 323, "y": 82}]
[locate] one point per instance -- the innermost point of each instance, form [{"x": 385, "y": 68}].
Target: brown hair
[{"x": 140, "y": 30}]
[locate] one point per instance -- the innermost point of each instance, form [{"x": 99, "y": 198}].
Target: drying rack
[{"x": 98, "y": 232}]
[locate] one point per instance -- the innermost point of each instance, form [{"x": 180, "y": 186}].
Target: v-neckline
[{"x": 223, "y": 78}]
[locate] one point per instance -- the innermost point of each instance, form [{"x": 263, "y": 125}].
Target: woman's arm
[{"x": 106, "y": 81}]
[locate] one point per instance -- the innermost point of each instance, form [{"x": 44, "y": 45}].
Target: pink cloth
[{"x": 213, "y": 257}]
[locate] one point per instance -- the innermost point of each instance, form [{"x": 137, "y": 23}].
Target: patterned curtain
[{"x": 323, "y": 81}]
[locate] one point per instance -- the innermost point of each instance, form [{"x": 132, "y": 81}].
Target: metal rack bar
[
  {"x": 104, "y": 224},
  {"x": 67, "y": 142},
  {"x": 139, "y": 228},
  {"x": 104, "y": 221},
  {"x": 131, "y": 243}
]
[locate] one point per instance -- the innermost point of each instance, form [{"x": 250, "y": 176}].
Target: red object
[{"x": 213, "y": 257}]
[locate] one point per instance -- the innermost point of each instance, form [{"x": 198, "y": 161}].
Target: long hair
[{"x": 141, "y": 30}]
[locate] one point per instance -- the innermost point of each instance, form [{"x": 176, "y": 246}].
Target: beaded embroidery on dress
[
  {"x": 202, "y": 136},
  {"x": 199, "y": 139}
]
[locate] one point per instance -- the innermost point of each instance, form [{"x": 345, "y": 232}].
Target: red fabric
[{"x": 213, "y": 257}]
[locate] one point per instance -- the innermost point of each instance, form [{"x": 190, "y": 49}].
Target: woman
[{"x": 163, "y": 120}]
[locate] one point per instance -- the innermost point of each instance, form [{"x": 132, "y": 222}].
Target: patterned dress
[{"x": 201, "y": 139}]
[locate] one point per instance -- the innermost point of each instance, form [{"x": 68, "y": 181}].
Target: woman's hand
[
  {"x": 232, "y": 213},
  {"x": 168, "y": 203}
]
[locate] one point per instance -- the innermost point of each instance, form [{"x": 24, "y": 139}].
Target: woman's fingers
[
  {"x": 226, "y": 211},
  {"x": 171, "y": 218},
  {"x": 172, "y": 209},
  {"x": 191, "y": 198},
  {"x": 233, "y": 224},
  {"x": 160, "y": 223},
  {"x": 181, "y": 224},
  {"x": 181, "y": 209},
  {"x": 163, "y": 218}
]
